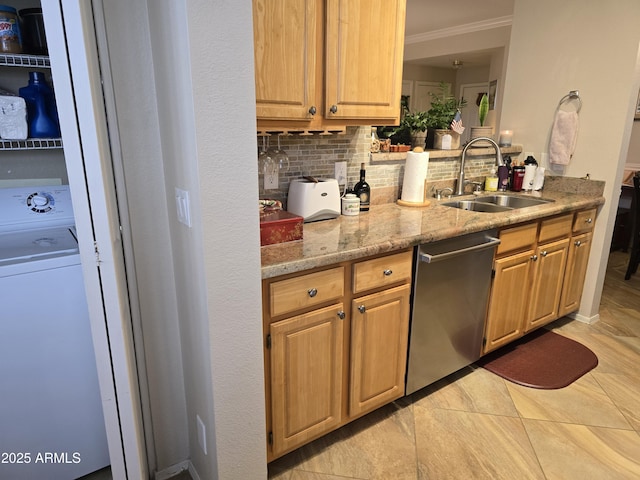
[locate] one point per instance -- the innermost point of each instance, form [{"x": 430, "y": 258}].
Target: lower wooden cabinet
[
  {"x": 335, "y": 346},
  {"x": 508, "y": 304},
  {"x": 539, "y": 273},
  {"x": 379, "y": 336},
  {"x": 546, "y": 286},
  {"x": 306, "y": 376}
]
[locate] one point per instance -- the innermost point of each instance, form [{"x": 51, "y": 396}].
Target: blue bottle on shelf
[{"x": 42, "y": 116}]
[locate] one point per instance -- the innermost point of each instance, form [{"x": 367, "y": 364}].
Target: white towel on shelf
[{"x": 563, "y": 137}]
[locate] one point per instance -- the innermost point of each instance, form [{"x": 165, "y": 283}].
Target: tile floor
[{"x": 475, "y": 425}]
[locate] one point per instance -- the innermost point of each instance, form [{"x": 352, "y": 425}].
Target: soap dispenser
[{"x": 491, "y": 182}]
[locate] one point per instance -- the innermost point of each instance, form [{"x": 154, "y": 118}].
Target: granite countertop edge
[{"x": 390, "y": 227}]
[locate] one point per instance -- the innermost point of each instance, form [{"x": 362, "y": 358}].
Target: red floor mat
[{"x": 541, "y": 359}]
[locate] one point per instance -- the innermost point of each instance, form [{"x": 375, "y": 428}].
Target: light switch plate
[{"x": 183, "y": 207}]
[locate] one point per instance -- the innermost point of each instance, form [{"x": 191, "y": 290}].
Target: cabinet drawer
[
  {"x": 517, "y": 238},
  {"x": 584, "y": 221},
  {"x": 306, "y": 291},
  {"x": 382, "y": 271},
  {"x": 556, "y": 227}
]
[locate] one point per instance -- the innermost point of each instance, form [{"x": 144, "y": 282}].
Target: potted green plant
[
  {"x": 416, "y": 123},
  {"x": 444, "y": 107},
  {"x": 413, "y": 126},
  {"x": 482, "y": 130}
]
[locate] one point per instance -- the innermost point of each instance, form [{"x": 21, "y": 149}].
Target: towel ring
[{"x": 572, "y": 95}]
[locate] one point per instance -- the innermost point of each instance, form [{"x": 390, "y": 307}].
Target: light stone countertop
[{"x": 390, "y": 227}]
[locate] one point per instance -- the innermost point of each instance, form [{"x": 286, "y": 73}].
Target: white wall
[
  {"x": 222, "y": 78},
  {"x": 186, "y": 114},
  {"x": 576, "y": 45},
  {"x": 132, "y": 74}
]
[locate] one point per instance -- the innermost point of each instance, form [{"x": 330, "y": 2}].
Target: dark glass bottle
[{"x": 363, "y": 191}]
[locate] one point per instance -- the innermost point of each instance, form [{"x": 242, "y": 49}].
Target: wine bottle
[{"x": 363, "y": 191}]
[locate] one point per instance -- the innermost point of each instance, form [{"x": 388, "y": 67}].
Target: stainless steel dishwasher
[{"x": 450, "y": 294}]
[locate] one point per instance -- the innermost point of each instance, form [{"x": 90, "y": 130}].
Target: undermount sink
[
  {"x": 513, "y": 201},
  {"x": 496, "y": 203},
  {"x": 477, "y": 206}
]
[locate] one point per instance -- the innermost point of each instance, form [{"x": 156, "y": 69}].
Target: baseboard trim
[
  {"x": 176, "y": 469},
  {"x": 584, "y": 319}
]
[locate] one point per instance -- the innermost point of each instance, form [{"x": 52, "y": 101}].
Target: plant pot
[
  {"x": 481, "y": 132},
  {"x": 418, "y": 139},
  {"x": 431, "y": 135},
  {"x": 446, "y": 140}
]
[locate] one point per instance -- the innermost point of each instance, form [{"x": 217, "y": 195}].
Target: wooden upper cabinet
[
  {"x": 325, "y": 63},
  {"x": 364, "y": 51},
  {"x": 285, "y": 49}
]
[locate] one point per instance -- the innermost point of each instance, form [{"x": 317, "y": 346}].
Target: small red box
[{"x": 279, "y": 226}]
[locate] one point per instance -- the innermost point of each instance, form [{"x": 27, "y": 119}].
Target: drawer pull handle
[
  {"x": 341, "y": 315},
  {"x": 388, "y": 272},
  {"x": 312, "y": 292},
  {"x": 589, "y": 220},
  {"x": 544, "y": 253},
  {"x": 534, "y": 257},
  {"x": 362, "y": 309},
  {"x": 578, "y": 243}
]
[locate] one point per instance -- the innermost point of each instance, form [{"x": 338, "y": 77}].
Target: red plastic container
[{"x": 279, "y": 226}]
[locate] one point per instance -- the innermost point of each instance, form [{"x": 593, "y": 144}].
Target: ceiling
[{"x": 438, "y": 17}]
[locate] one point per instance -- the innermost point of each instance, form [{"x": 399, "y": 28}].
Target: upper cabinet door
[
  {"x": 285, "y": 58},
  {"x": 364, "y": 52}
]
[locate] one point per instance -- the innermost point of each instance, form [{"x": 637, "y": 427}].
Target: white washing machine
[{"x": 51, "y": 421}]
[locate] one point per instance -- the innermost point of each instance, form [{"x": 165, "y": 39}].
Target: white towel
[{"x": 563, "y": 137}]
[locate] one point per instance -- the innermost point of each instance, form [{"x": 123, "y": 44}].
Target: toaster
[{"x": 314, "y": 199}]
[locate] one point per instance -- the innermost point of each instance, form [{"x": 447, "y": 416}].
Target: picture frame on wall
[
  {"x": 493, "y": 91},
  {"x": 637, "y": 115}
]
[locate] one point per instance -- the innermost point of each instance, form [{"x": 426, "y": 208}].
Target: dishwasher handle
[{"x": 491, "y": 242}]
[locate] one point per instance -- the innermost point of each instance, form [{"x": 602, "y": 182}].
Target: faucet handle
[{"x": 439, "y": 193}]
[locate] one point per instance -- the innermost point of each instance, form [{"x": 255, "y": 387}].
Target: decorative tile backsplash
[{"x": 316, "y": 155}]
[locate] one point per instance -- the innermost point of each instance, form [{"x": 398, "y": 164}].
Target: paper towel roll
[{"x": 415, "y": 174}]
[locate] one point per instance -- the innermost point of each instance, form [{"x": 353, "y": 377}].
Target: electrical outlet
[
  {"x": 271, "y": 179},
  {"x": 340, "y": 170},
  {"x": 183, "y": 207},
  {"x": 202, "y": 434}
]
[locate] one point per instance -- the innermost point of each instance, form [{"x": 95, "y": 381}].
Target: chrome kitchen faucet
[{"x": 461, "y": 181}]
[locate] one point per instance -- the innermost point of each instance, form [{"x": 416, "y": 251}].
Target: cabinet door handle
[
  {"x": 577, "y": 243},
  {"x": 312, "y": 110},
  {"x": 534, "y": 257},
  {"x": 362, "y": 309},
  {"x": 387, "y": 272},
  {"x": 341, "y": 315},
  {"x": 312, "y": 292},
  {"x": 544, "y": 253},
  {"x": 333, "y": 109}
]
